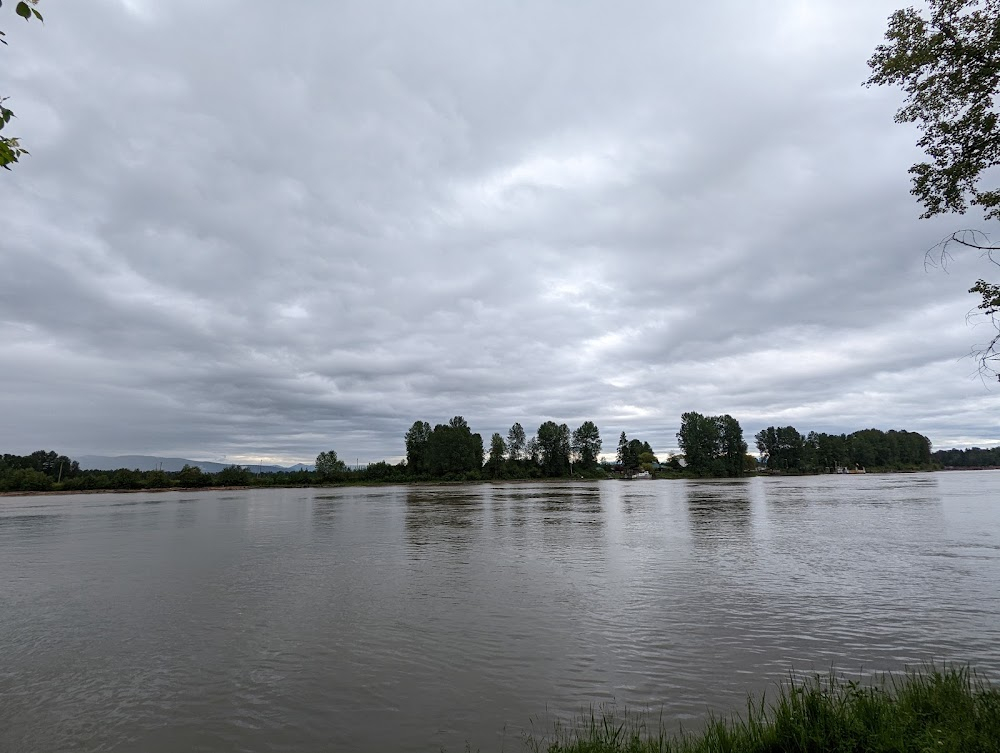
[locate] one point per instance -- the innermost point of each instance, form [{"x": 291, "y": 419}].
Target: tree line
[
  {"x": 452, "y": 452},
  {"x": 43, "y": 471},
  {"x": 784, "y": 448},
  {"x": 974, "y": 457},
  {"x": 711, "y": 446}
]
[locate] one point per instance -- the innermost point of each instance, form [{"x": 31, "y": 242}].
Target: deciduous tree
[
  {"x": 587, "y": 444},
  {"x": 233, "y": 475},
  {"x": 453, "y": 449},
  {"x": 497, "y": 450},
  {"x": 417, "y": 439},
  {"x": 329, "y": 467},
  {"x": 515, "y": 442},
  {"x": 554, "y": 448},
  {"x": 699, "y": 441},
  {"x": 531, "y": 451},
  {"x": 783, "y": 447},
  {"x": 732, "y": 447},
  {"x": 192, "y": 476},
  {"x": 946, "y": 59},
  {"x": 712, "y": 445}
]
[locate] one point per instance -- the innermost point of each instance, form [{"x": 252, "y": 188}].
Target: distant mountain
[{"x": 171, "y": 465}]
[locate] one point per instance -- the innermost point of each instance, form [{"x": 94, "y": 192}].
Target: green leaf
[
  {"x": 38, "y": 15},
  {"x": 23, "y": 10}
]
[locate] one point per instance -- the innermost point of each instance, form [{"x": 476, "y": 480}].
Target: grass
[{"x": 949, "y": 710}]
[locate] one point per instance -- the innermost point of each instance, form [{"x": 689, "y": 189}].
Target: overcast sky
[{"x": 255, "y": 230}]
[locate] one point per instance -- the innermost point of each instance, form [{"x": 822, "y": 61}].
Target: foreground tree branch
[
  {"x": 947, "y": 62},
  {"x": 988, "y": 356},
  {"x": 10, "y": 146}
]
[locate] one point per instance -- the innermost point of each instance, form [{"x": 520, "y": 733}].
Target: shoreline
[
  {"x": 345, "y": 485},
  {"x": 951, "y": 709},
  {"x": 61, "y": 492}
]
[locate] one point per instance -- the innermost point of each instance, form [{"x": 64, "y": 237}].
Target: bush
[
  {"x": 25, "y": 480},
  {"x": 157, "y": 480},
  {"x": 234, "y": 475},
  {"x": 123, "y": 478}
]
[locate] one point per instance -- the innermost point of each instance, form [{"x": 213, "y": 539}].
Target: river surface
[{"x": 416, "y": 618}]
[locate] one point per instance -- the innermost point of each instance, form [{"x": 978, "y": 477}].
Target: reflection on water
[
  {"x": 719, "y": 511},
  {"x": 415, "y": 618},
  {"x": 442, "y": 519},
  {"x": 326, "y": 511},
  {"x": 28, "y": 522}
]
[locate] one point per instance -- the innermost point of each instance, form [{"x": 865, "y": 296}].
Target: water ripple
[{"x": 414, "y": 618}]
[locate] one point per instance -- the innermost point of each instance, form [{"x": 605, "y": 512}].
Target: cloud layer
[{"x": 252, "y": 231}]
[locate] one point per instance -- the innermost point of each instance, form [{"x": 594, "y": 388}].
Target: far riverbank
[{"x": 477, "y": 482}]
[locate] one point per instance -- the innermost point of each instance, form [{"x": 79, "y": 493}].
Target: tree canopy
[
  {"x": 587, "y": 444},
  {"x": 554, "y": 448},
  {"x": 515, "y": 441},
  {"x": 947, "y": 62},
  {"x": 497, "y": 450},
  {"x": 417, "y": 439},
  {"x": 329, "y": 466},
  {"x": 784, "y": 449},
  {"x": 712, "y": 445},
  {"x": 781, "y": 448},
  {"x": 449, "y": 450}
]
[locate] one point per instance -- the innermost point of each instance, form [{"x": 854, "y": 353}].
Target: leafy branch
[
  {"x": 946, "y": 60},
  {"x": 10, "y": 146}
]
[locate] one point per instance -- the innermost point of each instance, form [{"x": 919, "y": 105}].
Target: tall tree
[
  {"x": 531, "y": 451},
  {"x": 515, "y": 442},
  {"x": 628, "y": 455},
  {"x": 554, "y": 448},
  {"x": 767, "y": 444},
  {"x": 783, "y": 447},
  {"x": 622, "y": 455},
  {"x": 417, "y": 440},
  {"x": 699, "y": 441},
  {"x": 329, "y": 466},
  {"x": 947, "y": 62},
  {"x": 497, "y": 450},
  {"x": 633, "y": 457},
  {"x": 732, "y": 447},
  {"x": 453, "y": 449},
  {"x": 587, "y": 444}
]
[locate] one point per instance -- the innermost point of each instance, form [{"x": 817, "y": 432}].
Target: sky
[{"x": 255, "y": 231}]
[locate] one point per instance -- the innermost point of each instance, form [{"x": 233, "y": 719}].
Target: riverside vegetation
[
  {"x": 711, "y": 446},
  {"x": 949, "y": 710}
]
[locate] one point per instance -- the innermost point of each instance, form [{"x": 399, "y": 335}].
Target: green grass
[{"x": 947, "y": 710}]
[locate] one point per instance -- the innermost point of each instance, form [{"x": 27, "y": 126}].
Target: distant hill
[{"x": 171, "y": 465}]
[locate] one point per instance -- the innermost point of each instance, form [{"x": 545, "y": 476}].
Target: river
[{"x": 416, "y": 618}]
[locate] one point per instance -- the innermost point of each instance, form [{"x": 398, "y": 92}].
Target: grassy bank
[{"x": 944, "y": 711}]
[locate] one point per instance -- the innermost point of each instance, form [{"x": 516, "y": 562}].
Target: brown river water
[{"x": 421, "y": 618}]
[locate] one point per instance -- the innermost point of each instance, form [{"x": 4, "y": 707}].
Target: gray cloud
[{"x": 252, "y": 232}]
